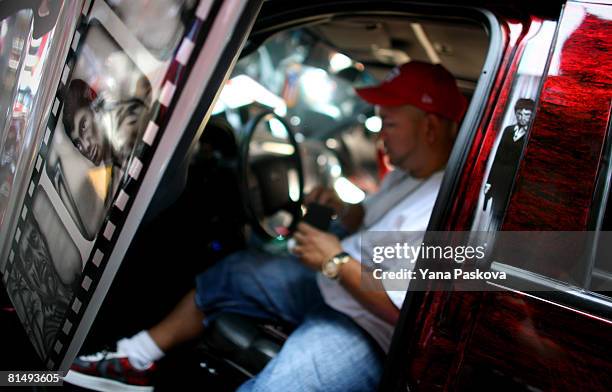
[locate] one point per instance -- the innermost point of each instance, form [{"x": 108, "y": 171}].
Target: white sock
[{"x": 140, "y": 349}]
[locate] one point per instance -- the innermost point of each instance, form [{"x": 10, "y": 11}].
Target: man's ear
[{"x": 434, "y": 125}]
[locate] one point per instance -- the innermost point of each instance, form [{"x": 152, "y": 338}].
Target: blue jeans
[{"x": 326, "y": 352}]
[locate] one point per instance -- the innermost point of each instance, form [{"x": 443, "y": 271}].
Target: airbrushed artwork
[
  {"x": 91, "y": 151},
  {"x": 105, "y": 107}
]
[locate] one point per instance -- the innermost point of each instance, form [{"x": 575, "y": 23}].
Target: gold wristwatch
[{"x": 331, "y": 268}]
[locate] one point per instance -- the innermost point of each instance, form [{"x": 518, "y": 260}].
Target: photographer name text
[{"x": 427, "y": 274}]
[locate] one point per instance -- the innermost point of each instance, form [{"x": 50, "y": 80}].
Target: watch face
[{"x": 330, "y": 269}]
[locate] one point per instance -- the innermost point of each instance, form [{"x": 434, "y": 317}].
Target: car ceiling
[{"x": 383, "y": 42}]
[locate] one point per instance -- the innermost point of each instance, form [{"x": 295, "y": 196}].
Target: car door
[
  {"x": 548, "y": 327},
  {"x": 100, "y": 94}
]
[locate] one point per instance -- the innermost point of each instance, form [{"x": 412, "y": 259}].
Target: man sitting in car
[{"x": 343, "y": 330}]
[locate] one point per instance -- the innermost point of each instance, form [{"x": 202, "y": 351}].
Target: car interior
[
  {"x": 286, "y": 120},
  {"x": 288, "y": 106}
]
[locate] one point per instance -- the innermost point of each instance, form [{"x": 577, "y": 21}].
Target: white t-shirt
[{"x": 403, "y": 203}]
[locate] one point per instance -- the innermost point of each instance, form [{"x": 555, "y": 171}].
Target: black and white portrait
[
  {"x": 123, "y": 62},
  {"x": 499, "y": 181},
  {"x": 502, "y": 166},
  {"x": 106, "y": 106}
]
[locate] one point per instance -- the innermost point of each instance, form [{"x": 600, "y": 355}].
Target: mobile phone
[{"x": 318, "y": 215}]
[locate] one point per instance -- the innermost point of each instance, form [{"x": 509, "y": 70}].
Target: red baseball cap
[{"x": 429, "y": 87}]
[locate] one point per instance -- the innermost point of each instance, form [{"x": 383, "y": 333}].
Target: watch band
[
  {"x": 331, "y": 267},
  {"x": 341, "y": 255}
]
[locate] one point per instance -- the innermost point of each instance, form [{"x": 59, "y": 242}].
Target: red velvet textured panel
[{"x": 556, "y": 179}]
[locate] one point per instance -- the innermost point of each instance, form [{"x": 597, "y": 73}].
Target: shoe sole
[{"x": 102, "y": 384}]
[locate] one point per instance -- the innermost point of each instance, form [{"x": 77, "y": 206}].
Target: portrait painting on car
[
  {"x": 498, "y": 183},
  {"x": 512, "y": 134},
  {"x": 90, "y": 162},
  {"x": 106, "y": 104},
  {"x": 105, "y": 107}
]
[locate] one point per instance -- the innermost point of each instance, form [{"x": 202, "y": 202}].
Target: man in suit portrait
[{"x": 499, "y": 182}]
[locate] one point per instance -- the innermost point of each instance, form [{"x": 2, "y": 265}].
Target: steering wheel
[{"x": 271, "y": 176}]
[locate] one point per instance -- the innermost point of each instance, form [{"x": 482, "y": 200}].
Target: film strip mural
[{"x": 107, "y": 117}]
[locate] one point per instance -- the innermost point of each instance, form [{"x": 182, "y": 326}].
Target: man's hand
[
  {"x": 487, "y": 196},
  {"x": 327, "y": 197},
  {"x": 314, "y": 247},
  {"x": 351, "y": 215}
]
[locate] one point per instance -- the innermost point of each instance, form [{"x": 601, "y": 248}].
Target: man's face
[
  {"x": 523, "y": 116},
  {"x": 87, "y": 137},
  {"x": 403, "y": 134}
]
